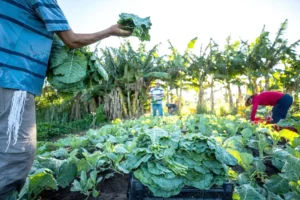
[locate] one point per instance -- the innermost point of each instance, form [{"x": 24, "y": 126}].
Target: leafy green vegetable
[
  {"x": 87, "y": 185},
  {"x": 138, "y": 26},
  {"x": 36, "y": 183},
  {"x": 277, "y": 184},
  {"x": 64, "y": 171},
  {"x": 69, "y": 69},
  {"x": 247, "y": 192}
]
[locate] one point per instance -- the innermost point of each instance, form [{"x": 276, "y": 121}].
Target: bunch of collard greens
[
  {"x": 70, "y": 70},
  {"x": 167, "y": 161},
  {"x": 138, "y": 26}
]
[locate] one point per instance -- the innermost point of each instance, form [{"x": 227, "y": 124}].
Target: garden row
[{"x": 166, "y": 154}]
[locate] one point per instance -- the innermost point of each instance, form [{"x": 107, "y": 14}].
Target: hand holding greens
[{"x": 138, "y": 26}]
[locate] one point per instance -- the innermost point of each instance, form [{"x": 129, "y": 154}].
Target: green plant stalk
[
  {"x": 122, "y": 101},
  {"x": 260, "y": 146},
  {"x": 176, "y": 167}
]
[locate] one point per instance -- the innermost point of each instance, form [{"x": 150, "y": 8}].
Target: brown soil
[{"x": 114, "y": 188}]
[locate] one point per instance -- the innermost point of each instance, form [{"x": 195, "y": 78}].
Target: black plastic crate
[{"x": 137, "y": 191}]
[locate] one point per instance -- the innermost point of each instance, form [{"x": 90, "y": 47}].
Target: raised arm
[{"x": 75, "y": 40}]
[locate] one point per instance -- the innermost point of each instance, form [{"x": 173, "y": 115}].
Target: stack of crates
[{"x": 137, "y": 191}]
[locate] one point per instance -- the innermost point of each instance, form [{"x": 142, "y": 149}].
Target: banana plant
[
  {"x": 229, "y": 64},
  {"x": 200, "y": 69},
  {"x": 131, "y": 72},
  {"x": 269, "y": 53},
  {"x": 179, "y": 68}
]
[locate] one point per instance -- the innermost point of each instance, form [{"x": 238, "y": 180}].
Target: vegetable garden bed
[{"x": 166, "y": 155}]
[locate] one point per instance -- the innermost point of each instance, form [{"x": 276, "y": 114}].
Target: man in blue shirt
[
  {"x": 26, "y": 35},
  {"x": 157, "y": 93}
]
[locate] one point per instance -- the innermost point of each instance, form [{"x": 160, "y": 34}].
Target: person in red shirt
[{"x": 281, "y": 103}]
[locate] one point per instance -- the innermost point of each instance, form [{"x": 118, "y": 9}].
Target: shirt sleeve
[
  {"x": 51, "y": 14},
  {"x": 151, "y": 91},
  {"x": 254, "y": 110}
]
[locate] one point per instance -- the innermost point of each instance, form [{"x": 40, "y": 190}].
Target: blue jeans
[
  {"x": 157, "y": 108},
  {"x": 281, "y": 108}
]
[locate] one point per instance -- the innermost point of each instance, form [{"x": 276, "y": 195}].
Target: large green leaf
[
  {"x": 83, "y": 165},
  {"x": 200, "y": 181},
  {"x": 272, "y": 196},
  {"x": 64, "y": 171},
  {"x": 159, "y": 75},
  {"x": 159, "y": 185},
  {"x": 72, "y": 69},
  {"x": 243, "y": 178},
  {"x": 247, "y": 192},
  {"x": 223, "y": 156},
  {"x": 291, "y": 169},
  {"x": 67, "y": 68},
  {"x": 139, "y": 26},
  {"x": 66, "y": 174},
  {"x": 61, "y": 153},
  {"x": 42, "y": 179},
  {"x": 277, "y": 184},
  {"x": 168, "y": 184},
  {"x": 133, "y": 161},
  {"x": 234, "y": 142},
  {"x": 244, "y": 159},
  {"x": 247, "y": 133},
  {"x": 153, "y": 169}
]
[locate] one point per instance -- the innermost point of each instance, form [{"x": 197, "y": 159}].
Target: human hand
[{"x": 116, "y": 30}]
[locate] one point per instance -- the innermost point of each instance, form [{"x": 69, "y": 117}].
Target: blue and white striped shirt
[
  {"x": 157, "y": 95},
  {"x": 26, "y": 36}
]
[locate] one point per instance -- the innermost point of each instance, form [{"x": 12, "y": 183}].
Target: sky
[{"x": 180, "y": 21}]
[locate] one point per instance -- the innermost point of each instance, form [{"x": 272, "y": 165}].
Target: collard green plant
[
  {"x": 40, "y": 180},
  {"x": 87, "y": 185},
  {"x": 138, "y": 26},
  {"x": 63, "y": 171},
  {"x": 73, "y": 69}
]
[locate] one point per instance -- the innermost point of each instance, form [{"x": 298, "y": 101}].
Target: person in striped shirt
[
  {"x": 157, "y": 93},
  {"x": 281, "y": 103},
  {"x": 26, "y": 35}
]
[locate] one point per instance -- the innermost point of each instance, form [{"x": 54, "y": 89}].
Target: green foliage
[
  {"x": 277, "y": 184},
  {"x": 40, "y": 180},
  {"x": 223, "y": 111},
  {"x": 202, "y": 109},
  {"x": 166, "y": 154},
  {"x": 247, "y": 192},
  {"x": 87, "y": 185},
  {"x": 138, "y": 26},
  {"x": 100, "y": 115},
  {"x": 48, "y": 130},
  {"x": 67, "y": 67},
  {"x": 63, "y": 170},
  {"x": 72, "y": 70}
]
